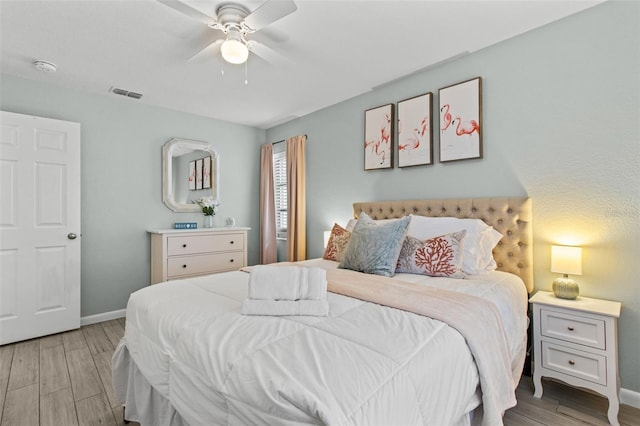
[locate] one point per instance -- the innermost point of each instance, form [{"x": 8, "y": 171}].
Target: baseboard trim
[
  {"x": 106, "y": 316},
  {"x": 630, "y": 397}
]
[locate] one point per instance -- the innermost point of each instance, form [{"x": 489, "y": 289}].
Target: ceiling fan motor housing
[{"x": 231, "y": 15}]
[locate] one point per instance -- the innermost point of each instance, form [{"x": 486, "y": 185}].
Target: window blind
[{"x": 280, "y": 190}]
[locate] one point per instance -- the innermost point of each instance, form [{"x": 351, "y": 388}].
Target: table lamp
[
  {"x": 326, "y": 236},
  {"x": 566, "y": 260}
]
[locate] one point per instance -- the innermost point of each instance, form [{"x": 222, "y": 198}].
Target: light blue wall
[
  {"x": 561, "y": 107},
  {"x": 122, "y": 180},
  {"x": 561, "y": 111}
]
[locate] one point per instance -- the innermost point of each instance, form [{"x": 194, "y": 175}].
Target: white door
[{"x": 39, "y": 226}]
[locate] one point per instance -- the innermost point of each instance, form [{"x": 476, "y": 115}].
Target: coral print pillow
[
  {"x": 337, "y": 242},
  {"x": 437, "y": 257}
]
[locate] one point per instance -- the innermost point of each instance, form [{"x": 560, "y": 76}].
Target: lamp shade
[
  {"x": 566, "y": 260},
  {"x": 326, "y": 236}
]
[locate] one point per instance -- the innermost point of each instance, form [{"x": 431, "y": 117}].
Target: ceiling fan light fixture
[{"x": 234, "y": 50}]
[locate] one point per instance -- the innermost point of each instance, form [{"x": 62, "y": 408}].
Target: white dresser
[
  {"x": 576, "y": 341},
  {"x": 180, "y": 253}
]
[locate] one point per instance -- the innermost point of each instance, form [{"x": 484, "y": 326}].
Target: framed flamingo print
[
  {"x": 378, "y": 137},
  {"x": 199, "y": 164},
  {"x": 192, "y": 175},
  {"x": 206, "y": 173},
  {"x": 461, "y": 121},
  {"x": 415, "y": 146}
]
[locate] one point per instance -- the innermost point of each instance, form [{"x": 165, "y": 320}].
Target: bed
[{"x": 189, "y": 357}]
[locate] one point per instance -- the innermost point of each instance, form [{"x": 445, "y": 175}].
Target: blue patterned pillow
[{"x": 374, "y": 247}]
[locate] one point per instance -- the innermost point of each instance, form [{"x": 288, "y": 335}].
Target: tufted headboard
[{"x": 509, "y": 216}]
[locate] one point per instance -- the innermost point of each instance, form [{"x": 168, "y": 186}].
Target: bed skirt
[
  {"x": 145, "y": 405},
  {"x": 142, "y": 403}
]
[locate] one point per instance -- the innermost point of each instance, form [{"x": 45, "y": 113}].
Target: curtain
[
  {"x": 268, "y": 248},
  {"x": 296, "y": 194}
]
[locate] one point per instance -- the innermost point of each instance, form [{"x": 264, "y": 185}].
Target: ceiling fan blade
[
  {"x": 208, "y": 51},
  {"x": 273, "y": 35},
  {"x": 189, "y": 11},
  {"x": 269, "y": 12},
  {"x": 268, "y": 54}
]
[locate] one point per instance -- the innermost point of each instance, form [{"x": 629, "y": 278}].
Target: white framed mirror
[{"x": 180, "y": 187}]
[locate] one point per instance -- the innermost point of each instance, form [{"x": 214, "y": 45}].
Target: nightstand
[{"x": 576, "y": 341}]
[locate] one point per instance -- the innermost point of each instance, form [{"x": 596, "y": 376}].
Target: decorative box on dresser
[
  {"x": 182, "y": 253},
  {"x": 576, "y": 341}
]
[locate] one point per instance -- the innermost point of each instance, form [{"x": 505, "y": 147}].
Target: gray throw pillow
[{"x": 374, "y": 247}]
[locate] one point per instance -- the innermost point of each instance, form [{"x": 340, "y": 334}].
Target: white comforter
[{"x": 364, "y": 364}]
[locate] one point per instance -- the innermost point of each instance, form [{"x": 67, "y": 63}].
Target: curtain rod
[{"x": 283, "y": 140}]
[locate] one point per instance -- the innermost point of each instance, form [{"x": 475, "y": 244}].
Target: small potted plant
[{"x": 208, "y": 206}]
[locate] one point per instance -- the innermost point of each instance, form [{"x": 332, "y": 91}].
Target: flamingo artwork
[
  {"x": 380, "y": 152},
  {"x": 423, "y": 127},
  {"x": 384, "y": 130},
  {"x": 446, "y": 117},
  {"x": 381, "y": 144},
  {"x": 414, "y": 140},
  {"x": 460, "y": 121},
  {"x": 414, "y": 143},
  {"x": 465, "y": 127}
]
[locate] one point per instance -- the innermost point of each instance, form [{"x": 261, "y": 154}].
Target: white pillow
[{"x": 477, "y": 257}]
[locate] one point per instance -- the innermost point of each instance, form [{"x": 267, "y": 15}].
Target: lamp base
[{"x": 565, "y": 288}]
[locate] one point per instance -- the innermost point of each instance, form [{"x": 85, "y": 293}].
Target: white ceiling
[{"x": 330, "y": 50}]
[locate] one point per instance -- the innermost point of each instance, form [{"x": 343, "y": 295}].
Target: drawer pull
[
  {"x": 184, "y": 266},
  {"x": 572, "y": 362},
  {"x": 570, "y": 328},
  {"x": 184, "y": 246},
  {"x": 231, "y": 242},
  {"x": 231, "y": 260}
]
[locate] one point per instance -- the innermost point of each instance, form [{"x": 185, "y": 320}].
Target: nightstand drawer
[
  {"x": 573, "y": 328},
  {"x": 204, "y": 264},
  {"x": 194, "y": 244},
  {"x": 579, "y": 364}
]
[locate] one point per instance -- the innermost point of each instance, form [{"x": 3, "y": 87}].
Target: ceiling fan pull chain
[
  {"x": 221, "y": 65},
  {"x": 246, "y": 72}
]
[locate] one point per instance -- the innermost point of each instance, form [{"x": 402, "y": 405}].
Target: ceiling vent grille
[{"x": 126, "y": 93}]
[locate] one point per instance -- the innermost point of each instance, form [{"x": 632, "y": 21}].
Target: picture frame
[
  {"x": 415, "y": 131},
  {"x": 199, "y": 173},
  {"x": 379, "y": 137},
  {"x": 192, "y": 176},
  {"x": 460, "y": 112},
  {"x": 206, "y": 173}
]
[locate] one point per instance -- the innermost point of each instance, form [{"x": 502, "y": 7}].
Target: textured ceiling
[{"x": 322, "y": 54}]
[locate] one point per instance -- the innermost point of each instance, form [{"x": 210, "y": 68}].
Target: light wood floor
[
  {"x": 62, "y": 379},
  {"x": 65, "y": 379}
]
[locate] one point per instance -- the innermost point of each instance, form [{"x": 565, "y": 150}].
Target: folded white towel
[
  {"x": 287, "y": 283},
  {"x": 316, "y": 308}
]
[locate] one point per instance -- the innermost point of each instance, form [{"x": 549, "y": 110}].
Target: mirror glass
[{"x": 190, "y": 170}]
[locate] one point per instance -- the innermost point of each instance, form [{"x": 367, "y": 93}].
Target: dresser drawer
[
  {"x": 204, "y": 264},
  {"x": 573, "y": 328},
  {"x": 579, "y": 364},
  {"x": 192, "y": 244}
]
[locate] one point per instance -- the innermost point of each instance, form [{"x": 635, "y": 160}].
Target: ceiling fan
[{"x": 236, "y": 22}]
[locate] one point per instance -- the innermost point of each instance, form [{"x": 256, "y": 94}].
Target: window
[{"x": 280, "y": 184}]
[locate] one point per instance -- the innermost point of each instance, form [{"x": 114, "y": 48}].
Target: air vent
[
  {"x": 45, "y": 66},
  {"x": 126, "y": 93}
]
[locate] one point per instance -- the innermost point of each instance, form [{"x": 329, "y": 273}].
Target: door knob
[{"x": 71, "y": 236}]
